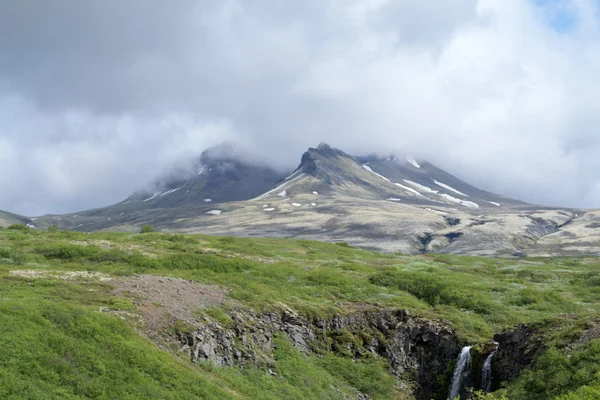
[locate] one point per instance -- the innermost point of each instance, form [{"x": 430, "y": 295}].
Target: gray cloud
[{"x": 98, "y": 97}]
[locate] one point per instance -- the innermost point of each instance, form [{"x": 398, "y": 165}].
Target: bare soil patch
[{"x": 164, "y": 302}]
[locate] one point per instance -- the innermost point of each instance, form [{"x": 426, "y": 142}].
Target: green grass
[{"x": 57, "y": 344}]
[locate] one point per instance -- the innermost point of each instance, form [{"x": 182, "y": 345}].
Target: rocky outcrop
[
  {"x": 518, "y": 349},
  {"x": 419, "y": 351}
]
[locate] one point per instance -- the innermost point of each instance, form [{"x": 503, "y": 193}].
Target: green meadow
[{"x": 57, "y": 341}]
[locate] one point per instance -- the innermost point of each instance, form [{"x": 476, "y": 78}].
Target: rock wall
[
  {"x": 420, "y": 352},
  {"x": 518, "y": 349}
]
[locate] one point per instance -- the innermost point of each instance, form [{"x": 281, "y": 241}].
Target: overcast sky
[{"x": 97, "y": 97}]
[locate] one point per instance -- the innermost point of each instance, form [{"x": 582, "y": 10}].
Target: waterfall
[
  {"x": 462, "y": 368},
  {"x": 486, "y": 373}
]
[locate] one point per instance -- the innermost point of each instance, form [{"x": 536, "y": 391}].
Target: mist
[{"x": 99, "y": 98}]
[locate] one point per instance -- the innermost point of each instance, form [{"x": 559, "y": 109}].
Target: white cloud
[{"x": 498, "y": 92}]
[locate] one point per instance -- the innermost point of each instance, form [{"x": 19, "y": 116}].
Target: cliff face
[
  {"x": 518, "y": 349},
  {"x": 419, "y": 351}
]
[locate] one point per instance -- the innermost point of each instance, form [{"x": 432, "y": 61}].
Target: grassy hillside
[{"x": 65, "y": 334}]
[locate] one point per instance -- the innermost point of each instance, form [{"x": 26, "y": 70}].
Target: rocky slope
[
  {"x": 387, "y": 203},
  {"x": 7, "y": 219},
  {"x": 418, "y": 351},
  {"x": 220, "y": 174}
]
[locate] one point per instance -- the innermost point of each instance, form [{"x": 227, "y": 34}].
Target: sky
[{"x": 99, "y": 97}]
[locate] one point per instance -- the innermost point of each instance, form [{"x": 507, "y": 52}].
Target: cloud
[{"x": 98, "y": 97}]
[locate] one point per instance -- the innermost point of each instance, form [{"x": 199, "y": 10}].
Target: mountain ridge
[{"x": 387, "y": 203}]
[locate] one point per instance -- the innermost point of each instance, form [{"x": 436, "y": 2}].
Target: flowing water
[
  {"x": 486, "y": 373},
  {"x": 463, "y": 365}
]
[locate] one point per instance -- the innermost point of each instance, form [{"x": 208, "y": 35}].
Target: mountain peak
[
  {"x": 222, "y": 173},
  {"x": 323, "y": 147},
  {"x": 222, "y": 152},
  {"x": 326, "y": 163},
  {"x": 326, "y": 150}
]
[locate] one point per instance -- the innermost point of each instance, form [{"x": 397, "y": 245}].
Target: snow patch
[
  {"x": 436, "y": 211},
  {"x": 316, "y": 193},
  {"x": 201, "y": 170},
  {"x": 268, "y": 209},
  {"x": 282, "y": 193},
  {"x": 265, "y": 205},
  {"x": 422, "y": 187},
  {"x": 413, "y": 162},
  {"x": 207, "y": 200},
  {"x": 469, "y": 204},
  {"x": 450, "y": 188},
  {"x": 153, "y": 197},
  {"x": 408, "y": 189},
  {"x": 366, "y": 166},
  {"x": 30, "y": 226},
  {"x": 215, "y": 212},
  {"x": 34, "y": 219},
  {"x": 313, "y": 204},
  {"x": 279, "y": 187},
  {"x": 497, "y": 204},
  {"x": 293, "y": 174},
  {"x": 169, "y": 192},
  {"x": 297, "y": 204},
  {"x": 394, "y": 199}
]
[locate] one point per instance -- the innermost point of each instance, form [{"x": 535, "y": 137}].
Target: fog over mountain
[{"x": 97, "y": 98}]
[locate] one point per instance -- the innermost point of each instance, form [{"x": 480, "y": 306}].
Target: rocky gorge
[
  {"x": 419, "y": 352},
  {"x": 422, "y": 354}
]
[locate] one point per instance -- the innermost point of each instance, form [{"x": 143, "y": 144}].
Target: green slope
[{"x": 66, "y": 338}]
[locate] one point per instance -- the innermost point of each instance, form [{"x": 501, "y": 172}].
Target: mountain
[
  {"x": 392, "y": 179},
  {"x": 219, "y": 175},
  {"x": 7, "y": 219},
  {"x": 387, "y": 203}
]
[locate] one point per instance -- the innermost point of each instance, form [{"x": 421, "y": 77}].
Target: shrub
[
  {"x": 556, "y": 373},
  {"x": 147, "y": 229},
  {"x": 369, "y": 375},
  {"x": 75, "y": 252},
  {"x": 19, "y": 227},
  {"x": 434, "y": 289},
  {"x": 175, "y": 238},
  {"x": 118, "y": 303},
  {"x": 219, "y": 315},
  {"x": 12, "y": 255},
  {"x": 227, "y": 239},
  {"x": 423, "y": 286},
  {"x": 61, "y": 251},
  {"x": 205, "y": 262},
  {"x": 53, "y": 228}
]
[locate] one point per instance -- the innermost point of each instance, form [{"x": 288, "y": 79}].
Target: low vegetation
[{"x": 57, "y": 344}]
